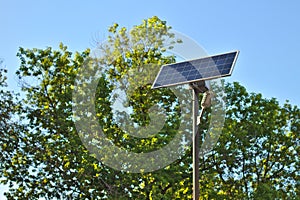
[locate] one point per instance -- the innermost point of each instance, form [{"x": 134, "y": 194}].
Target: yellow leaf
[{"x": 67, "y": 164}]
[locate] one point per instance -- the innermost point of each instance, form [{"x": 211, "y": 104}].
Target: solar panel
[{"x": 196, "y": 70}]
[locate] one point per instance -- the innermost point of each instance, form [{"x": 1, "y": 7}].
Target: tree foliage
[
  {"x": 12, "y": 140},
  {"x": 257, "y": 153},
  {"x": 256, "y": 157}
]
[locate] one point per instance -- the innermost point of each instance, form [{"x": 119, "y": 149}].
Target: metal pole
[{"x": 196, "y": 140}]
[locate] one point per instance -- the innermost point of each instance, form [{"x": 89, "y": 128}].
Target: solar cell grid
[{"x": 196, "y": 70}]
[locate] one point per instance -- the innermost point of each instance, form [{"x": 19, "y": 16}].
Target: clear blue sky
[{"x": 266, "y": 32}]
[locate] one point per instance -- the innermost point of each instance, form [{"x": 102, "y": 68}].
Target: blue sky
[{"x": 266, "y": 32}]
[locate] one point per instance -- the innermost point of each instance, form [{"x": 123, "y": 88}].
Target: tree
[
  {"x": 12, "y": 140},
  {"x": 257, "y": 153},
  {"x": 60, "y": 165}
]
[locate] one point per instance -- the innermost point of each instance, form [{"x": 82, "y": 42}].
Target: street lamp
[{"x": 195, "y": 72}]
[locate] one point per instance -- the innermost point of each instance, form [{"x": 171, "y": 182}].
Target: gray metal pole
[{"x": 196, "y": 140}]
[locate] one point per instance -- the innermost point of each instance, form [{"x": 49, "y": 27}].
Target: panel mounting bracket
[{"x": 199, "y": 86}]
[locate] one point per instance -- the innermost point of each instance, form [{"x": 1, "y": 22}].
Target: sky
[{"x": 267, "y": 33}]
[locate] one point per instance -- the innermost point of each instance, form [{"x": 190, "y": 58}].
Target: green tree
[
  {"x": 12, "y": 140},
  {"x": 257, "y": 154},
  {"x": 60, "y": 165}
]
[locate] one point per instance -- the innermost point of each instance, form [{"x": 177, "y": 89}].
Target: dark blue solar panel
[{"x": 195, "y": 70}]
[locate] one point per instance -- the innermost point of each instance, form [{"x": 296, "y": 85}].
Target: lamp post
[
  {"x": 197, "y": 87},
  {"x": 195, "y": 72}
]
